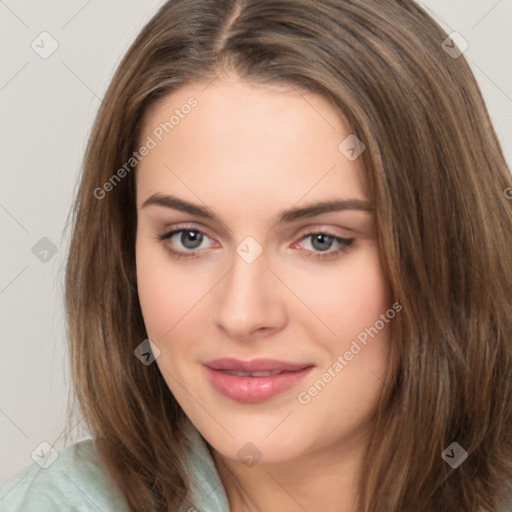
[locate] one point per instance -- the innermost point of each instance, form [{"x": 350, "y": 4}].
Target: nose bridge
[
  {"x": 247, "y": 300},
  {"x": 246, "y": 280}
]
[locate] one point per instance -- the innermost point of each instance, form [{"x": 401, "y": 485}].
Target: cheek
[
  {"x": 351, "y": 298},
  {"x": 367, "y": 320},
  {"x": 352, "y": 307},
  {"x": 163, "y": 293}
]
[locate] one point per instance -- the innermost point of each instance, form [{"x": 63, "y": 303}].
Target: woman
[{"x": 288, "y": 285}]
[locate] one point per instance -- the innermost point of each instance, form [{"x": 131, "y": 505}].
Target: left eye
[
  {"x": 322, "y": 242},
  {"x": 191, "y": 239}
]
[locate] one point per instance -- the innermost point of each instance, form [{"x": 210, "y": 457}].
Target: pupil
[
  {"x": 323, "y": 239},
  {"x": 196, "y": 237}
]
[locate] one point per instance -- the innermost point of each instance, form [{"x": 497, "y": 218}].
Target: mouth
[
  {"x": 254, "y": 365},
  {"x": 251, "y": 374},
  {"x": 254, "y": 381}
]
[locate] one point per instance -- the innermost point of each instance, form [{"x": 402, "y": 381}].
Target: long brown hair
[{"x": 437, "y": 178}]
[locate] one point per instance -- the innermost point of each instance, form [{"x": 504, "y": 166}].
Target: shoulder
[{"x": 71, "y": 479}]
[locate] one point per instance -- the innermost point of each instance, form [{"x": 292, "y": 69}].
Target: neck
[{"x": 324, "y": 479}]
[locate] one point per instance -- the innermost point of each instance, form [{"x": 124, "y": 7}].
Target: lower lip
[{"x": 254, "y": 389}]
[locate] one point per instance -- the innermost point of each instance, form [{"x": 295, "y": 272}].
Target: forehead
[{"x": 272, "y": 144}]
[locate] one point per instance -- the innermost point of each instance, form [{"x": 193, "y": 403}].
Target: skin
[{"x": 248, "y": 152}]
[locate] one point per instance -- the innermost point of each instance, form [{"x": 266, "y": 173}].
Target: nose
[{"x": 250, "y": 300}]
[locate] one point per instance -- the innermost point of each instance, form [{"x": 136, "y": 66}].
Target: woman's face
[{"x": 252, "y": 271}]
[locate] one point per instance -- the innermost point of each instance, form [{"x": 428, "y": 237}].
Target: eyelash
[{"x": 345, "y": 244}]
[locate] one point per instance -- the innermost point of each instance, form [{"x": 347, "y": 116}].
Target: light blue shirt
[{"x": 76, "y": 482}]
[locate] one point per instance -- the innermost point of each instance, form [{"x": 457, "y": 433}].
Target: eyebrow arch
[{"x": 286, "y": 216}]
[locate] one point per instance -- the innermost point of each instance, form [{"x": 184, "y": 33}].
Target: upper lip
[{"x": 254, "y": 365}]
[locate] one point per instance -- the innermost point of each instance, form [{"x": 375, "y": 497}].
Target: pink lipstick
[{"x": 256, "y": 380}]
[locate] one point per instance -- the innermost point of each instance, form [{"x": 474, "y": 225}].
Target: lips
[
  {"x": 256, "y": 365},
  {"x": 256, "y": 380}
]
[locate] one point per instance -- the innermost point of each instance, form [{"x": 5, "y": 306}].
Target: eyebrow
[{"x": 286, "y": 216}]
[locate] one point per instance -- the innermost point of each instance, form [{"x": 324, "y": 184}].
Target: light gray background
[{"x": 47, "y": 107}]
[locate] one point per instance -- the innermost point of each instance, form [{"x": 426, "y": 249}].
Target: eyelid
[
  {"x": 184, "y": 227},
  {"x": 328, "y": 230}
]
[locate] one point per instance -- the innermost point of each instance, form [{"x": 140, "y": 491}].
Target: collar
[{"x": 208, "y": 494}]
